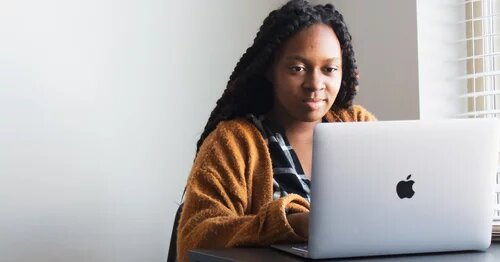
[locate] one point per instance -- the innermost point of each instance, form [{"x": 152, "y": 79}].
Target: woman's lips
[{"x": 314, "y": 103}]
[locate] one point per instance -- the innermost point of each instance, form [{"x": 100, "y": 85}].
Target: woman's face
[{"x": 306, "y": 75}]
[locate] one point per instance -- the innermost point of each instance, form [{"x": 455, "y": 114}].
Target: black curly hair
[{"x": 249, "y": 91}]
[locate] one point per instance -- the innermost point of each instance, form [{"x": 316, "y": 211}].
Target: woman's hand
[{"x": 300, "y": 223}]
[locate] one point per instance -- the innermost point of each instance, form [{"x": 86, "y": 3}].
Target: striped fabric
[{"x": 288, "y": 175}]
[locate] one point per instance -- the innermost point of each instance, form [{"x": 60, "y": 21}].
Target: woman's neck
[
  {"x": 293, "y": 128},
  {"x": 300, "y": 137}
]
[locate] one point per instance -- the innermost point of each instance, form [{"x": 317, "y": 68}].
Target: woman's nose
[{"x": 314, "y": 81}]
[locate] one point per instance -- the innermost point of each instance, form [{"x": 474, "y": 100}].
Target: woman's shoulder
[
  {"x": 238, "y": 127},
  {"x": 235, "y": 132},
  {"x": 354, "y": 113}
]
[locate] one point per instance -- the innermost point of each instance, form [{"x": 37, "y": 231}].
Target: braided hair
[{"x": 249, "y": 91}]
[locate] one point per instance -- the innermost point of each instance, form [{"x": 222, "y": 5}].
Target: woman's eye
[
  {"x": 297, "y": 69},
  {"x": 330, "y": 69}
]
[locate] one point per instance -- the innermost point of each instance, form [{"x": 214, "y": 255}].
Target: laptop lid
[{"x": 399, "y": 187}]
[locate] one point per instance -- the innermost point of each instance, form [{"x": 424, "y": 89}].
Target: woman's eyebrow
[
  {"x": 304, "y": 60},
  {"x": 334, "y": 60},
  {"x": 296, "y": 57}
]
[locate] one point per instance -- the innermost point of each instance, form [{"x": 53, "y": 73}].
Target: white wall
[
  {"x": 101, "y": 103},
  {"x": 385, "y": 42},
  {"x": 439, "y": 32}
]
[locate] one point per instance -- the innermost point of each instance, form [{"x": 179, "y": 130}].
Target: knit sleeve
[
  {"x": 361, "y": 114},
  {"x": 355, "y": 113},
  {"x": 228, "y": 198}
]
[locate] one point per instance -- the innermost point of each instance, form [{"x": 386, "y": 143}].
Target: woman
[{"x": 249, "y": 184}]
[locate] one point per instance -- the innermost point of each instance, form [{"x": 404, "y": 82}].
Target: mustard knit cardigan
[{"x": 229, "y": 196}]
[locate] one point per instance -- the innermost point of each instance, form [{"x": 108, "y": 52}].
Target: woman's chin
[{"x": 316, "y": 116}]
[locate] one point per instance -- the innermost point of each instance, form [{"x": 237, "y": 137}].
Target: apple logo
[{"x": 405, "y": 188}]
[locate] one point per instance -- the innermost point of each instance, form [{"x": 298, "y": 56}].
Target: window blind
[{"x": 482, "y": 94}]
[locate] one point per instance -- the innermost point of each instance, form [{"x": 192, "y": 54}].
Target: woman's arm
[{"x": 229, "y": 195}]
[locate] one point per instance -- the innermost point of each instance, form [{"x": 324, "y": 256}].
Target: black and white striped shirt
[{"x": 288, "y": 175}]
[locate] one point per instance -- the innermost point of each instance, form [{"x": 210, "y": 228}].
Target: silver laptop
[{"x": 399, "y": 187}]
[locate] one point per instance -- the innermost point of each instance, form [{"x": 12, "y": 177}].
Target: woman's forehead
[{"x": 316, "y": 41}]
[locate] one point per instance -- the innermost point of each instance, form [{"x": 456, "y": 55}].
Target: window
[{"x": 482, "y": 94}]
